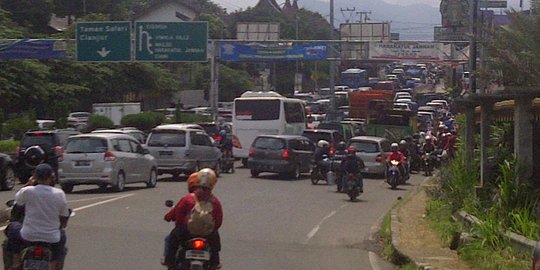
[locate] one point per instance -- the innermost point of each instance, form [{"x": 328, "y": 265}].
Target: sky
[{"x": 232, "y": 5}]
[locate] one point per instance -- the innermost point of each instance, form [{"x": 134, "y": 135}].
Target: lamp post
[{"x": 332, "y": 70}]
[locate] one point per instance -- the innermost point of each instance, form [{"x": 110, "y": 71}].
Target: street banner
[
  {"x": 33, "y": 49},
  {"x": 259, "y": 52},
  {"x": 406, "y": 50}
]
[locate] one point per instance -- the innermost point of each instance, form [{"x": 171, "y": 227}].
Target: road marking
[
  {"x": 318, "y": 226},
  {"x": 374, "y": 261},
  {"x": 93, "y": 198},
  {"x": 103, "y": 202}
]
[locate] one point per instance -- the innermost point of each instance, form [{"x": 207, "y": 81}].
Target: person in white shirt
[{"x": 46, "y": 212}]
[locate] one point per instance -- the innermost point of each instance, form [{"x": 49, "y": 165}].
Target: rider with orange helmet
[{"x": 200, "y": 185}]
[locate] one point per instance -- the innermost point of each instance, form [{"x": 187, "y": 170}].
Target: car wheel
[
  {"x": 254, "y": 173},
  {"x": 152, "y": 181},
  {"x": 9, "y": 179},
  {"x": 120, "y": 182},
  {"x": 296, "y": 172},
  {"x": 67, "y": 188}
]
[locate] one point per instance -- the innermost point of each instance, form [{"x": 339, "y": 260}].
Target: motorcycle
[
  {"x": 36, "y": 256},
  {"x": 393, "y": 177},
  {"x": 329, "y": 176},
  {"x": 193, "y": 254},
  {"x": 227, "y": 162},
  {"x": 428, "y": 162},
  {"x": 352, "y": 186}
]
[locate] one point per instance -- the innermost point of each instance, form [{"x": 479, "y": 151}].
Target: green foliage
[
  {"x": 144, "y": 121},
  {"x": 33, "y": 14},
  {"x": 232, "y": 82},
  {"x": 485, "y": 257},
  {"x": 8, "y": 146},
  {"x": 193, "y": 118},
  {"x": 19, "y": 125},
  {"x": 458, "y": 182},
  {"x": 8, "y": 28},
  {"x": 440, "y": 215},
  {"x": 96, "y": 121}
]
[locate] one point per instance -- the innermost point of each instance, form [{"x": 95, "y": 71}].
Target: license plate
[
  {"x": 82, "y": 163},
  {"x": 165, "y": 153},
  {"x": 35, "y": 265},
  {"x": 198, "y": 255}
]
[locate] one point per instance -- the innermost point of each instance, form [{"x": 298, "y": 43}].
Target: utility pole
[
  {"x": 364, "y": 14},
  {"x": 332, "y": 70},
  {"x": 473, "y": 46},
  {"x": 351, "y": 10}
]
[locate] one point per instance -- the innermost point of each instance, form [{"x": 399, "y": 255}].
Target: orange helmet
[{"x": 204, "y": 178}]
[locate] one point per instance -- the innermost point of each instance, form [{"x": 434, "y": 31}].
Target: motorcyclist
[
  {"x": 200, "y": 185},
  {"x": 225, "y": 144},
  {"x": 339, "y": 156},
  {"x": 429, "y": 146},
  {"x": 45, "y": 212},
  {"x": 353, "y": 164},
  {"x": 404, "y": 149},
  {"x": 398, "y": 156},
  {"x": 320, "y": 154}
]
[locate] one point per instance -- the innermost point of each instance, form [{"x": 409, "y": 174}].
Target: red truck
[{"x": 364, "y": 104}]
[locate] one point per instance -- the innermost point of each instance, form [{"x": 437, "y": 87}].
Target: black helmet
[{"x": 341, "y": 145}]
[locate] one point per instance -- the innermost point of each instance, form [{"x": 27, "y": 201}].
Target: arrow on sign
[{"x": 103, "y": 52}]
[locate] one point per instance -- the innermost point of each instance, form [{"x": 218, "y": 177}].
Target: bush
[
  {"x": 8, "y": 146},
  {"x": 18, "y": 126},
  {"x": 96, "y": 121},
  {"x": 144, "y": 121}
]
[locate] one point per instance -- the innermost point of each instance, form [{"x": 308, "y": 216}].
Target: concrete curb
[{"x": 394, "y": 223}]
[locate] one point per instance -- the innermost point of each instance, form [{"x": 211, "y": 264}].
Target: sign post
[
  {"x": 104, "y": 41},
  {"x": 171, "y": 41}
]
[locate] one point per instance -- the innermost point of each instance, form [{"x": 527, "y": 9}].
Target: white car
[
  {"x": 78, "y": 119},
  {"x": 402, "y": 107}
]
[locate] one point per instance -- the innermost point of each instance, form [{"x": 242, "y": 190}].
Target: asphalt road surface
[{"x": 269, "y": 223}]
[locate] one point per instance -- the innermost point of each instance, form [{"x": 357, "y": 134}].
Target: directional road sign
[
  {"x": 171, "y": 41},
  {"x": 104, "y": 41}
]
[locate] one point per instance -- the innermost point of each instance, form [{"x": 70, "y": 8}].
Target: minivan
[
  {"x": 373, "y": 151},
  {"x": 182, "y": 150}
]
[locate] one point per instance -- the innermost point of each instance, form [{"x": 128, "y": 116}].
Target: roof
[
  {"x": 321, "y": 131},
  {"x": 101, "y": 135},
  {"x": 188, "y": 4},
  {"x": 368, "y": 138},
  {"x": 286, "y": 137}
]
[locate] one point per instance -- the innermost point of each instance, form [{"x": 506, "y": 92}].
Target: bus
[
  {"x": 354, "y": 78},
  {"x": 258, "y": 113}
]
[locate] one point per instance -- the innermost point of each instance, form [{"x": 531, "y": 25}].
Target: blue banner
[
  {"x": 32, "y": 49},
  {"x": 271, "y": 52}
]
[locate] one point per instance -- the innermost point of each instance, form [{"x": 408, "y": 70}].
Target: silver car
[
  {"x": 181, "y": 150},
  {"x": 373, "y": 151},
  {"x": 106, "y": 159}
]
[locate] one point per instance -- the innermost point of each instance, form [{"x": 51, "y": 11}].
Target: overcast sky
[{"x": 232, "y": 5}]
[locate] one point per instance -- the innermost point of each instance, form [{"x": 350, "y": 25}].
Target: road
[{"x": 270, "y": 223}]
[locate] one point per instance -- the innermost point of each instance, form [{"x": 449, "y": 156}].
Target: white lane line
[
  {"x": 115, "y": 198},
  {"x": 103, "y": 202},
  {"x": 318, "y": 226},
  {"x": 93, "y": 198},
  {"x": 374, "y": 261}
]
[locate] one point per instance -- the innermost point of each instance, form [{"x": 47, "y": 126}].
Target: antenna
[
  {"x": 364, "y": 14},
  {"x": 350, "y": 10}
]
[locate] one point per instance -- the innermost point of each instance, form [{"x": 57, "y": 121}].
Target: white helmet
[
  {"x": 403, "y": 142},
  {"x": 428, "y": 138},
  {"x": 422, "y": 134},
  {"x": 394, "y": 145},
  {"x": 323, "y": 143}
]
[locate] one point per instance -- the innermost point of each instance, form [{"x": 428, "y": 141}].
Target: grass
[
  {"x": 389, "y": 252},
  {"x": 408, "y": 266},
  {"x": 484, "y": 257},
  {"x": 439, "y": 214},
  {"x": 8, "y": 146}
]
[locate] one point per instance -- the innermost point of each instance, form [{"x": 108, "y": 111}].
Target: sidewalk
[{"x": 413, "y": 237}]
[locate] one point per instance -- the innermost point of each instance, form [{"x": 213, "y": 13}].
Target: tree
[
  {"x": 8, "y": 28},
  {"x": 33, "y": 14}
]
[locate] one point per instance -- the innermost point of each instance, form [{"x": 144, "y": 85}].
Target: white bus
[{"x": 257, "y": 113}]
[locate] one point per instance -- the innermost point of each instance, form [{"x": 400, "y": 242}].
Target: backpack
[{"x": 201, "y": 222}]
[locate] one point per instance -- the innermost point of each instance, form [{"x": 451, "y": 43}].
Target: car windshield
[
  {"x": 177, "y": 139},
  {"x": 317, "y": 136},
  {"x": 80, "y": 115},
  {"x": 269, "y": 143},
  {"x": 38, "y": 138},
  {"x": 367, "y": 147},
  {"x": 86, "y": 145}
]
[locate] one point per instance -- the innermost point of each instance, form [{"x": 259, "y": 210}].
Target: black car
[
  {"x": 284, "y": 154},
  {"x": 7, "y": 172},
  {"x": 333, "y": 137},
  {"x": 40, "y": 147}
]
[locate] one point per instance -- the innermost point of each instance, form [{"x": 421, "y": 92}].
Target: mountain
[{"x": 413, "y": 22}]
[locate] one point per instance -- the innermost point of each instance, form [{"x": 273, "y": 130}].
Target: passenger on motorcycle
[
  {"x": 398, "y": 156},
  {"x": 353, "y": 164},
  {"x": 225, "y": 144},
  {"x": 340, "y": 155},
  {"x": 429, "y": 146},
  {"x": 200, "y": 185},
  {"x": 45, "y": 212},
  {"x": 320, "y": 154}
]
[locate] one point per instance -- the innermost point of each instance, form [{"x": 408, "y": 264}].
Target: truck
[
  {"x": 364, "y": 104},
  {"x": 393, "y": 125},
  {"x": 115, "y": 111},
  {"x": 354, "y": 78}
]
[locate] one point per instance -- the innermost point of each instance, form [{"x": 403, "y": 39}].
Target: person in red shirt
[
  {"x": 397, "y": 155},
  {"x": 200, "y": 185}
]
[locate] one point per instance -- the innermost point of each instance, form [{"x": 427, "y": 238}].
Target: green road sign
[
  {"x": 104, "y": 41},
  {"x": 171, "y": 41}
]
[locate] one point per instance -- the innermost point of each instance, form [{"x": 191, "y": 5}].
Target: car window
[
  {"x": 296, "y": 145},
  {"x": 308, "y": 145},
  {"x": 317, "y": 136},
  {"x": 269, "y": 143},
  {"x": 385, "y": 145},
  {"x": 366, "y": 146},
  {"x": 122, "y": 145},
  {"x": 137, "y": 148},
  {"x": 294, "y": 112},
  {"x": 200, "y": 139},
  {"x": 173, "y": 139},
  {"x": 86, "y": 145},
  {"x": 38, "y": 138}
]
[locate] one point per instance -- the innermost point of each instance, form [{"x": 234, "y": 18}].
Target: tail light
[
  {"x": 38, "y": 251},
  {"x": 199, "y": 244},
  {"x": 332, "y": 150},
  {"x": 217, "y": 138},
  {"x": 251, "y": 151},
  {"x": 379, "y": 158},
  {"x": 285, "y": 154},
  {"x": 59, "y": 152},
  {"x": 109, "y": 156}
]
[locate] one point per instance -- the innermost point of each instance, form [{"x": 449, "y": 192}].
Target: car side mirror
[{"x": 145, "y": 151}]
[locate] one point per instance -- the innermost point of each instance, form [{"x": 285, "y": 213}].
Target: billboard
[
  {"x": 408, "y": 50},
  {"x": 275, "y": 52},
  {"x": 257, "y": 31},
  {"x": 33, "y": 49},
  {"x": 365, "y": 31}
]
